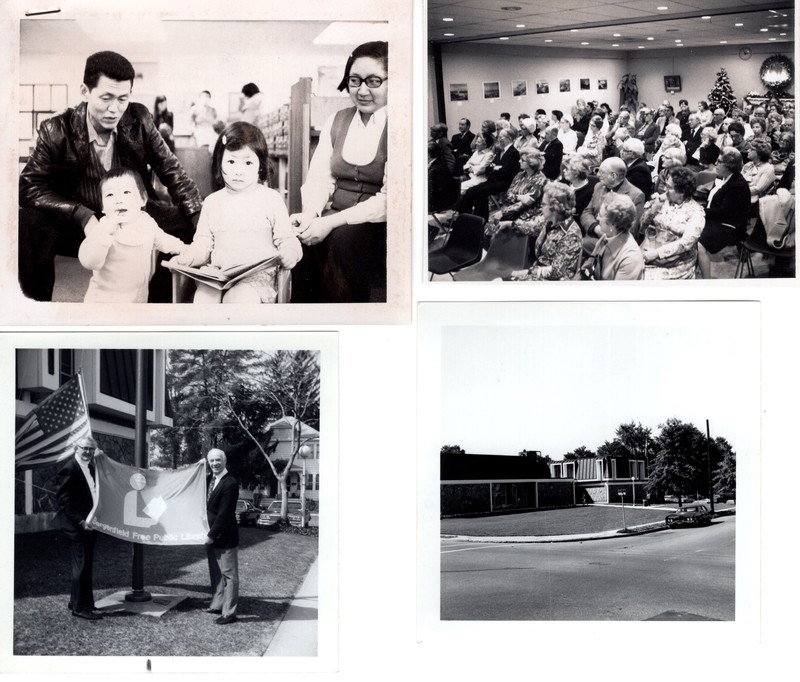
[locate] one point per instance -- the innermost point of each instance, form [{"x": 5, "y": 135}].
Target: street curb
[
  {"x": 584, "y": 537},
  {"x": 296, "y": 634}
]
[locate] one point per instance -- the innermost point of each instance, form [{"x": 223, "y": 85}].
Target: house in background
[
  {"x": 604, "y": 479},
  {"x": 109, "y": 377},
  {"x": 284, "y": 430}
]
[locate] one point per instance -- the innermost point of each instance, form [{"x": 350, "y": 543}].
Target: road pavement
[{"x": 681, "y": 574}]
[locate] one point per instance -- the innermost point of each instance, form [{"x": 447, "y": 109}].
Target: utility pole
[{"x": 708, "y": 464}]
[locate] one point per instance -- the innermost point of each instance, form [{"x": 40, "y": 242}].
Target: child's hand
[
  {"x": 301, "y": 221},
  {"x": 183, "y": 258}
]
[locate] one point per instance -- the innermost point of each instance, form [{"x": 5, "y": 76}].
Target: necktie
[
  {"x": 91, "y": 469},
  {"x": 211, "y": 487}
]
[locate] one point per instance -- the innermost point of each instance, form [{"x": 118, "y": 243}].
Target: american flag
[{"x": 53, "y": 427}]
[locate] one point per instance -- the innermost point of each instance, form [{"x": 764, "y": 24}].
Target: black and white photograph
[
  {"x": 588, "y": 467},
  {"x": 459, "y": 92},
  {"x": 180, "y": 110},
  {"x": 172, "y": 502},
  {"x": 585, "y": 84},
  {"x": 563, "y": 85},
  {"x": 672, "y": 83},
  {"x": 542, "y": 88},
  {"x": 519, "y": 88},
  {"x": 602, "y": 84},
  {"x": 491, "y": 90}
]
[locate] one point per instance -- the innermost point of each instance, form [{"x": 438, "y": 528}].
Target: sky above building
[{"x": 528, "y": 379}]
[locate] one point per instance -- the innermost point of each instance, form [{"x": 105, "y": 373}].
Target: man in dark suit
[
  {"x": 75, "y": 491},
  {"x": 639, "y": 174},
  {"x": 500, "y": 174},
  {"x": 647, "y": 131},
  {"x": 692, "y": 139},
  {"x": 612, "y": 181},
  {"x": 462, "y": 142},
  {"x": 222, "y": 543},
  {"x": 553, "y": 152}
]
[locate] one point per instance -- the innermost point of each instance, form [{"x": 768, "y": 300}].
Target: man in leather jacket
[{"x": 59, "y": 190}]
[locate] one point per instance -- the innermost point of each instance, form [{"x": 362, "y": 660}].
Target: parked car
[
  {"x": 273, "y": 513},
  {"x": 246, "y": 513},
  {"x": 694, "y": 514}
]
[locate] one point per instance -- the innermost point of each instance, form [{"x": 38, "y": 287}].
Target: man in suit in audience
[
  {"x": 692, "y": 139},
  {"x": 639, "y": 174},
  {"x": 76, "y": 490},
  {"x": 222, "y": 542},
  {"x": 462, "y": 142},
  {"x": 612, "y": 179},
  {"x": 553, "y": 152},
  {"x": 500, "y": 174},
  {"x": 439, "y": 136},
  {"x": 647, "y": 131}
]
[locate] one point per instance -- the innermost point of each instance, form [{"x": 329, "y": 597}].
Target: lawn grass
[
  {"x": 589, "y": 519},
  {"x": 271, "y": 567}
]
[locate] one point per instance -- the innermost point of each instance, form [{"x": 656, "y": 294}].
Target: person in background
[
  {"x": 252, "y": 107},
  {"x": 705, "y": 114},
  {"x": 672, "y": 158},
  {"x": 758, "y": 171},
  {"x": 222, "y": 542},
  {"x": 616, "y": 256},
  {"x": 566, "y": 135},
  {"x": 461, "y": 142},
  {"x": 439, "y": 136},
  {"x": 203, "y": 117},
  {"x": 76, "y": 491},
  {"x": 578, "y": 174},
  {"x": 553, "y": 152},
  {"x": 475, "y": 169},
  {"x": 638, "y": 173},
  {"x": 708, "y": 152},
  {"x": 612, "y": 181},
  {"x": 165, "y": 121}
]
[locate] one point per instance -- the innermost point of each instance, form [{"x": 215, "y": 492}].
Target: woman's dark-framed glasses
[{"x": 371, "y": 81}]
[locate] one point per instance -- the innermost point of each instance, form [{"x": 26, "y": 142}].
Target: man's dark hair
[
  {"x": 736, "y": 127},
  {"x": 506, "y": 116},
  {"x": 467, "y": 121},
  {"x": 108, "y": 64},
  {"x": 558, "y": 114},
  {"x": 250, "y": 89},
  {"x": 234, "y": 137}
]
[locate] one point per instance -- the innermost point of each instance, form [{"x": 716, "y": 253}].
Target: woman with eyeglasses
[
  {"x": 671, "y": 225},
  {"x": 343, "y": 223}
]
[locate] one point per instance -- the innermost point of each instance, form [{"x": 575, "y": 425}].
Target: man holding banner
[
  {"x": 77, "y": 494},
  {"x": 222, "y": 542}
]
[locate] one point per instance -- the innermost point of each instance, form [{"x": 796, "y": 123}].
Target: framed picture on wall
[
  {"x": 585, "y": 84},
  {"x": 602, "y": 84},
  {"x": 563, "y": 85},
  {"x": 491, "y": 90},
  {"x": 672, "y": 83},
  {"x": 459, "y": 92},
  {"x": 519, "y": 88},
  {"x": 542, "y": 88}
]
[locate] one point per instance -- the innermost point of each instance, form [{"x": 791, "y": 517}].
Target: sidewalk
[{"x": 297, "y": 632}]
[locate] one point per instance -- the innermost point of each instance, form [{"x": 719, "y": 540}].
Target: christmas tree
[{"x": 721, "y": 95}]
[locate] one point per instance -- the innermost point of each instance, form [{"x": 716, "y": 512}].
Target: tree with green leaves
[{"x": 725, "y": 475}]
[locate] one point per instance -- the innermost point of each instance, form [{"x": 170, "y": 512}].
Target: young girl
[
  {"x": 119, "y": 249},
  {"x": 244, "y": 221}
]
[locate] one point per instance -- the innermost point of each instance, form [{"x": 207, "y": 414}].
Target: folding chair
[{"x": 462, "y": 247}]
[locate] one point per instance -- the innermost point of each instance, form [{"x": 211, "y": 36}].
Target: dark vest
[{"x": 354, "y": 184}]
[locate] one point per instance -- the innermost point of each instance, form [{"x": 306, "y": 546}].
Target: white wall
[
  {"x": 698, "y": 70},
  {"x": 474, "y": 63}
]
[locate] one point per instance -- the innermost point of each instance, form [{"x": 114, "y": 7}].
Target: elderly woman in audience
[
  {"x": 674, "y": 157},
  {"x": 567, "y": 136},
  {"x": 774, "y": 122},
  {"x": 616, "y": 255},
  {"x": 526, "y": 138},
  {"x": 594, "y": 142},
  {"x": 578, "y": 173},
  {"x": 672, "y": 140},
  {"x": 758, "y": 171},
  {"x": 784, "y": 155},
  {"x": 727, "y": 209},
  {"x": 558, "y": 244},
  {"x": 475, "y": 168},
  {"x": 671, "y": 225},
  {"x": 708, "y": 151},
  {"x": 522, "y": 202}
]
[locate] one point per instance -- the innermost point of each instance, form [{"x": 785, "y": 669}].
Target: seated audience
[
  {"x": 638, "y": 172},
  {"x": 462, "y": 142},
  {"x": 477, "y": 165},
  {"x": 727, "y": 209},
  {"x": 594, "y": 142},
  {"x": 558, "y": 244},
  {"x": 566, "y": 135},
  {"x": 737, "y": 141},
  {"x": 526, "y": 138},
  {"x": 616, "y": 256},
  {"x": 671, "y": 225},
  {"x": 553, "y": 152},
  {"x": 648, "y": 132},
  {"x": 672, "y": 158},
  {"x": 758, "y": 171},
  {"x": 439, "y": 136},
  {"x": 692, "y": 138},
  {"x": 578, "y": 174},
  {"x": 612, "y": 181},
  {"x": 522, "y": 202},
  {"x": 784, "y": 154},
  {"x": 705, "y": 114},
  {"x": 708, "y": 152},
  {"x": 442, "y": 186}
]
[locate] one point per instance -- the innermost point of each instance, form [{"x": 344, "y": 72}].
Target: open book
[{"x": 222, "y": 279}]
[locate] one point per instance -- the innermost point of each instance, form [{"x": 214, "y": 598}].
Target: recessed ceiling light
[
  {"x": 520, "y": 25},
  {"x": 739, "y": 24},
  {"x": 678, "y": 40},
  {"x": 764, "y": 30},
  {"x": 641, "y": 47},
  {"x": 447, "y": 18},
  {"x": 782, "y": 34},
  {"x": 663, "y": 8},
  {"x": 617, "y": 35},
  {"x": 706, "y": 16},
  {"x": 584, "y": 43},
  {"x": 574, "y": 30},
  {"x": 650, "y": 38},
  {"x": 723, "y": 42},
  {"x": 771, "y": 38},
  {"x": 504, "y": 38},
  {"x": 615, "y": 45},
  {"x": 548, "y": 40},
  {"x": 449, "y": 35}
]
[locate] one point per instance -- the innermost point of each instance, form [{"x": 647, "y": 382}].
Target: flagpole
[{"x": 138, "y": 593}]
